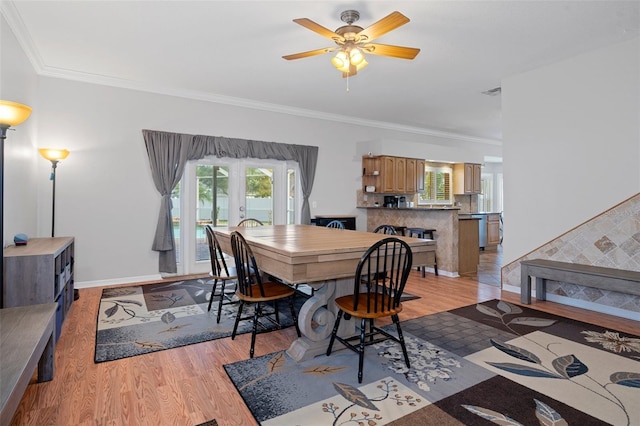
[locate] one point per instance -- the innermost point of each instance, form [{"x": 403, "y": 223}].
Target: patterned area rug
[
  {"x": 490, "y": 363},
  {"x": 136, "y": 320}
]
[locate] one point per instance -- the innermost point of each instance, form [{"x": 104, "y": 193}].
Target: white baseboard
[
  {"x": 597, "y": 307},
  {"x": 116, "y": 281}
]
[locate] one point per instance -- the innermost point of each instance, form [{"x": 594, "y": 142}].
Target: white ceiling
[{"x": 231, "y": 52}]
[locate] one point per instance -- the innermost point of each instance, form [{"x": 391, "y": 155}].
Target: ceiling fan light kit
[{"x": 354, "y": 41}]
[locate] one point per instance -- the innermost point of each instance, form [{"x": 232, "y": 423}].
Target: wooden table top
[{"x": 307, "y": 253}]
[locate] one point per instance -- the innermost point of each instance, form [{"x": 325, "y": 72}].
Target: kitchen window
[{"x": 437, "y": 186}]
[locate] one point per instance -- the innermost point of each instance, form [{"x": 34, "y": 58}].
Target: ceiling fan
[{"x": 352, "y": 40}]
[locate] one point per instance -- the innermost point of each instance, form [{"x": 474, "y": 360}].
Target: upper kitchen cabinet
[
  {"x": 467, "y": 178},
  {"x": 392, "y": 175}
]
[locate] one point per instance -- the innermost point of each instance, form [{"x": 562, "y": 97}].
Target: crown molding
[{"x": 21, "y": 33}]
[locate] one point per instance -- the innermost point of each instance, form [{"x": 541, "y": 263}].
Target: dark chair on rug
[
  {"x": 252, "y": 290},
  {"x": 382, "y": 271},
  {"x": 250, "y": 222},
  {"x": 385, "y": 229},
  {"x": 220, "y": 272}
]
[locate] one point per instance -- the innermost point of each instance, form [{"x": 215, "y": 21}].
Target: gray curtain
[{"x": 169, "y": 152}]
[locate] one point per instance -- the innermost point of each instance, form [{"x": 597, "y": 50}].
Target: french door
[{"x": 222, "y": 192}]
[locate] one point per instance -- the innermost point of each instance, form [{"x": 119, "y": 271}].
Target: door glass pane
[
  {"x": 291, "y": 196},
  {"x": 259, "y": 194},
  {"x": 212, "y": 203}
]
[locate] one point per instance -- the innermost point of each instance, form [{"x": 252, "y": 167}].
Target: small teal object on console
[{"x": 21, "y": 239}]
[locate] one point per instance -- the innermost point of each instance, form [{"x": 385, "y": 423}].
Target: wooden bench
[
  {"x": 28, "y": 339},
  {"x": 611, "y": 279}
]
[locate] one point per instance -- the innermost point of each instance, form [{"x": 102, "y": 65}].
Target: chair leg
[
  {"x": 396, "y": 320},
  {"x": 371, "y": 335},
  {"x": 256, "y": 315},
  {"x": 363, "y": 335},
  {"x": 235, "y": 326},
  {"x": 220, "y": 302},
  {"x": 334, "y": 332},
  {"x": 295, "y": 317},
  {"x": 213, "y": 293},
  {"x": 435, "y": 266}
]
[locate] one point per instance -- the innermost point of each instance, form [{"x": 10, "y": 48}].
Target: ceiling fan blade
[
  {"x": 324, "y": 32},
  {"x": 383, "y": 26},
  {"x": 309, "y": 53},
  {"x": 401, "y": 52}
]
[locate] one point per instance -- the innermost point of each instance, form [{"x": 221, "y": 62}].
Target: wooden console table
[
  {"x": 28, "y": 338},
  {"x": 611, "y": 279}
]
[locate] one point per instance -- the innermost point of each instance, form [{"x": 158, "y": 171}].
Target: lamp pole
[{"x": 54, "y": 165}]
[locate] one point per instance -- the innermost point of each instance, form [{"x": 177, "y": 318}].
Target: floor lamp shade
[
  {"x": 12, "y": 114},
  {"x": 54, "y": 155}
]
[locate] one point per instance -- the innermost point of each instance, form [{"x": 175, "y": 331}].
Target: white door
[{"x": 222, "y": 192}]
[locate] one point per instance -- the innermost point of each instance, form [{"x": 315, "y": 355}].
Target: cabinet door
[
  {"x": 401, "y": 175},
  {"x": 388, "y": 174},
  {"x": 420, "y": 175},
  {"x": 493, "y": 229},
  {"x": 476, "y": 179},
  {"x": 468, "y": 178},
  {"x": 412, "y": 182}
]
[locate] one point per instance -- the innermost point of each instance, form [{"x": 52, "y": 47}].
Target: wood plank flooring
[{"x": 187, "y": 386}]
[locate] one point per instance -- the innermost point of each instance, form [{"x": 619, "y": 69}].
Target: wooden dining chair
[
  {"x": 252, "y": 290},
  {"x": 384, "y": 269},
  {"x": 335, "y": 224},
  {"x": 250, "y": 222},
  {"x": 220, "y": 272},
  {"x": 385, "y": 229}
]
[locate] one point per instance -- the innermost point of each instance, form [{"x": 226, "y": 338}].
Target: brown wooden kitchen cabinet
[
  {"x": 392, "y": 175},
  {"x": 467, "y": 178},
  {"x": 468, "y": 246},
  {"x": 493, "y": 230}
]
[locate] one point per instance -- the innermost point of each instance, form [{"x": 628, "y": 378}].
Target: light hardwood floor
[{"x": 187, "y": 386}]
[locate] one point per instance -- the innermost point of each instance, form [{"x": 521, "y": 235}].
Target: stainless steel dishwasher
[{"x": 482, "y": 229}]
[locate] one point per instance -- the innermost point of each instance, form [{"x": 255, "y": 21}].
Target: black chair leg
[
  {"x": 295, "y": 317},
  {"x": 256, "y": 315},
  {"x": 334, "y": 332},
  {"x": 363, "y": 336},
  {"x": 235, "y": 325},
  {"x": 213, "y": 293},
  {"x": 396, "y": 320},
  {"x": 220, "y": 302}
]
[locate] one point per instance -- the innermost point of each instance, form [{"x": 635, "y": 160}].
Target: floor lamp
[
  {"x": 11, "y": 114},
  {"x": 53, "y": 155}
]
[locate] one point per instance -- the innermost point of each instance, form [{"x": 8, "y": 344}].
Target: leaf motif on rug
[
  {"x": 492, "y": 416},
  {"x": 148, "y": 345},
  {"x": 352, "y": 394},
  {"x": 174, "y": 328},
  {"x": 569, "y": 366},
  {"x": 322, "y": 370},
  {"x": 626, "y": 378},
  {"x": 545, "y": 414}
]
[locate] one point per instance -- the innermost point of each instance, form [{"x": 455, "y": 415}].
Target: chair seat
[
  {"x": 272, "y": 291},
  {"x": 346, "y": 304},
  {"x": 233, "y": 274}
]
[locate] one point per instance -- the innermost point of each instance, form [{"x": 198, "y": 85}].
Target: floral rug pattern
[
  {"x": 136, "y": 320},
  {"x": 526, "y": 368}
]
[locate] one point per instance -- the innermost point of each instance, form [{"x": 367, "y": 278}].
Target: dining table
[{"x": 323, "y": 258}]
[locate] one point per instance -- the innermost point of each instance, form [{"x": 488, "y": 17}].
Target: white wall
[
  {"x": 18, "y": 83},
  {"x": 108, "y": 167},
  {"x": 571, "y": 143}
]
